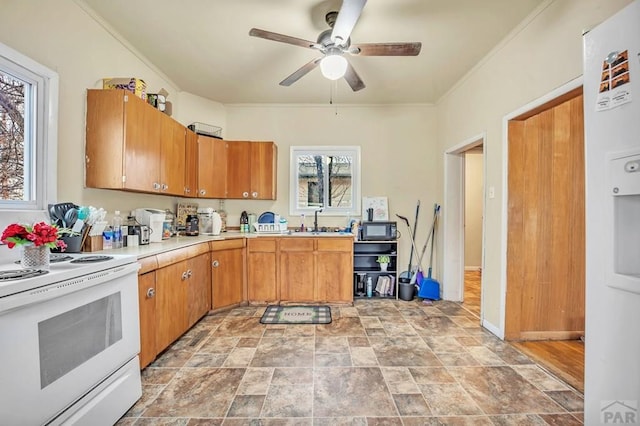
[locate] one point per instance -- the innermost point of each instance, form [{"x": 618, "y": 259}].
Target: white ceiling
[{"x": 204, "y": 47}]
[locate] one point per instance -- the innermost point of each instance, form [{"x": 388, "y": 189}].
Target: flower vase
[
  {"x": 35, "y": 257},
  {"x": 383, "y": 267}
]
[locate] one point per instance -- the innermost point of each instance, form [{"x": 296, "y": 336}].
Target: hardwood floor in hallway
[{"x": 563, "y": 358}]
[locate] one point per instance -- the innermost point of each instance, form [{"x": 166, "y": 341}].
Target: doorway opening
[{"x": 465, "y": 160}]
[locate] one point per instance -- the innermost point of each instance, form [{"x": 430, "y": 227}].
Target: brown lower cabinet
[
  {"x": 227, "y": 273},
  {"x": 262, "y": 284},
  {"x": 173, "y": 297}
]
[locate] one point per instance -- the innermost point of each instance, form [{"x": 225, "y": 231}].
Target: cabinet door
[
  {"x": 147, "y": 305},
  {"x": 191, "y": 164},
  {"x": 171, "y": 304},
  {"x": 141, "y": 169},
  {"x": 261, "y": 270},
  {"x": 227, "y": 270},
  {"x": 104, "y": 151},
  {"x": 172, "y": 156},
  {"x": 297, "y": 269},
  {"x": 335, "y": 266},
  {"x": 238, "y": 169},
  {"x": 212, "y": 167},
  {"x": 263, "y": 161},
  {"x": 199, "y": 288}
]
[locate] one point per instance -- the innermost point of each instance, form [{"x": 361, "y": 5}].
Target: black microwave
[{"x": 378, "y": 231}]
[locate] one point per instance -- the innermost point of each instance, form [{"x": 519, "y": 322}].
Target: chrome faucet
[{"x": 315, "y": 220}]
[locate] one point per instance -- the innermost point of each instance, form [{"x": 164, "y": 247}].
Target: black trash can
[{"x": 406, "y": 290}]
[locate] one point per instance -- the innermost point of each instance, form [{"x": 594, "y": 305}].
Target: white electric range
[{"x": 71, "y": 340}]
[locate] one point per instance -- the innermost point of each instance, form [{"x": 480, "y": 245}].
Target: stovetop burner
[
  {"x": 55, "y": 258},
  {"x": 19, "y": 274},
  {"x": 91, "y": 259}
]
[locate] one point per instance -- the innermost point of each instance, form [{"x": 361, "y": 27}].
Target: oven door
[{"x": 56, "y": 347}]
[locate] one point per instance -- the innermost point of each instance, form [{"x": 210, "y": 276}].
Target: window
[
  {"x": 28, "y": 132},
  {"x": 325, "y": 177}
]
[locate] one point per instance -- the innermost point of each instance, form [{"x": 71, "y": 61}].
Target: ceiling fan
[{"x": 334, "y": 42}]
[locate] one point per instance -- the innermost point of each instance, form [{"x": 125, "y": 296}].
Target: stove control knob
[{"x": 151, "y": 292}]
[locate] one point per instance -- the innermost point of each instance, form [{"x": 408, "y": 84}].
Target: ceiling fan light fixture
[{"x": 333, "y": 66}]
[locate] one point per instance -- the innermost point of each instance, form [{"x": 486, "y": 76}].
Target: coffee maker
[{"x": 153, "y": 219}]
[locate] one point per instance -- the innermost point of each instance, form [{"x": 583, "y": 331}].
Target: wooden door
[
  {"x": 147, "y": 305},
  {"x": 238, "y": 169},
  {"x": 334, "y": 266},
  {"x": 142, "y": 145},
  {"x": 263, "y": 160},
  {"x": 190, "y": 164},
  {"x": 546, "y": 223},
  {"x": 171, "y": 304},
  {"x": 261, "y": 270},
  {"x": 199, "y": 288},
  {"x": 227, "y": 272},
  {"x": 212, "y": 167},
  {"x": 172, "y": 156},
  {"x": 297, "y": 269}
]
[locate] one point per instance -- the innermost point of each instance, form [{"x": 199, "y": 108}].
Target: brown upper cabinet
[
  {"x": 191, "y": 164},
  {"x": 132, "y": 146},
  {"x": 251, "y": 170},
  {"x": 212, "y": 167}
]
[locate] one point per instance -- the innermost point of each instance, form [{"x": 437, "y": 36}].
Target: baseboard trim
[
  {"x": 493, "y": 329},
  {"x": 550, "y": 335}
]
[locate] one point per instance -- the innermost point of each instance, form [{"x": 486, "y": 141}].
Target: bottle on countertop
[
  {"x": 223, "y": 216},
  {"x": 117, "y": 230},
  {"x": 244, "y": 222}
]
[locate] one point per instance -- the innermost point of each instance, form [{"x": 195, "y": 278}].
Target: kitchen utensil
[{"x": 70, "y": 217}]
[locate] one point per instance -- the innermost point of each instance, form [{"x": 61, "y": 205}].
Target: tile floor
[{"x": 380, "y": 362}]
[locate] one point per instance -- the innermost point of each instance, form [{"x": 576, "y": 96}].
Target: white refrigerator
[{"x": 612, "y": 149}]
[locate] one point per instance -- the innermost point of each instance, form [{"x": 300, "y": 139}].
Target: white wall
[
  {"x": 541, "y": 55},
  {"x": 473, "y": 192},
  {"x": 398, "y": 154},
  {"x": 62, "y": 36}
]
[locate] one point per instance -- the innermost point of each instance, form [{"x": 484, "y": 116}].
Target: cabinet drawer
[
  {"x": 261, "y": 245},
  {"x": 335, "y": 244},
  {"x": 296, "y": 244},
  {"x": 226, "y": 244}
]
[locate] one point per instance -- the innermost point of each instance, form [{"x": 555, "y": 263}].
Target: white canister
[
  {"x": 216, "y": 223},
  {"x": 156, "y": 222}
]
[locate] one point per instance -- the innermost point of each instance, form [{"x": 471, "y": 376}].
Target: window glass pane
[
  {"x": 340, "y": 181},
  {"x": 13, "y": 150},
  {"x": 325, "y": 177}
]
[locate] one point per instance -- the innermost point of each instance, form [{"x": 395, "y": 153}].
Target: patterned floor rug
[{"x": 275, "y": 314}]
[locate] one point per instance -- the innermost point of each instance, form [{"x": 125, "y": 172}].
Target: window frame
[
  {"x": 43, "y": 127},
  {"x": 327, "y": 150}
]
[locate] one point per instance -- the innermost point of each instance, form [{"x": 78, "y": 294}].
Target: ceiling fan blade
[
  {"x": 347, "y": 18},
  {"x": 353, "y": 79},
  {"x": 386, "y": 49},
  {"x": 300, "y": 72},
  {"x": 255, "y": 32}
]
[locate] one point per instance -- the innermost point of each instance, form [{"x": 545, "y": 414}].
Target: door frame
[
  {"x": 528, "y": 108},
  {"x": 453, "y": 218}
]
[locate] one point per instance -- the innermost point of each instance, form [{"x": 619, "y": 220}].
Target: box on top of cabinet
[{"x": 134, "y": 85}]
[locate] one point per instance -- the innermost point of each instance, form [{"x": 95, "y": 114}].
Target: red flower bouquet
[{"x": 40, "y": 234}]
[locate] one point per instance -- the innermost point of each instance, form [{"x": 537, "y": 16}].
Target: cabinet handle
[
  {"x": 202, "y": 192},
  {"x": 254, "y": 194},
  {"x": 215, "y": 263},
  {"x": 187, "y": 190},
  {"x": 151, "y": 292},
  {"x": 165, "y": 186},
  {"x": 184, "y": 275},
  {"x": 189, "y": 273},
  {"x": 156, "y": 185},
  {"x": 245, "y": 195}
]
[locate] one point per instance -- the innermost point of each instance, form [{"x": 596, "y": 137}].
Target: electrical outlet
[{"x": 492, "y": 192}]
